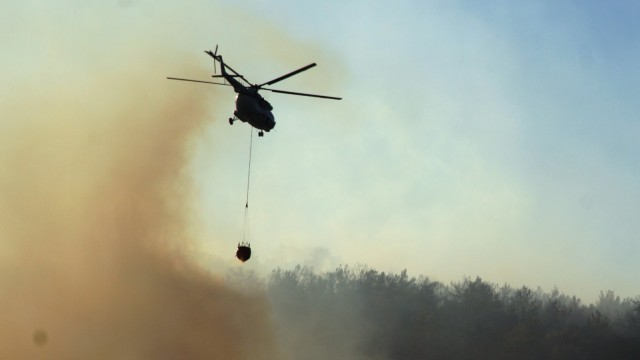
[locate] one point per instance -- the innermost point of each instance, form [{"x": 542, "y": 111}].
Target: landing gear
[
  {"x": 230, "y": 121},
  {"x": 261, "y": 133}
]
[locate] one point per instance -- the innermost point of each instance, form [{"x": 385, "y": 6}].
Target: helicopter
[{"x": 251, "y": 107}]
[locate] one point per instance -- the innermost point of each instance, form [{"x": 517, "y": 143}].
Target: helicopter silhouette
[{"x": 251, "y": 107}]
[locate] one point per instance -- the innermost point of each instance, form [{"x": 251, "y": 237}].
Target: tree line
[{"x": 362, "y": 313}]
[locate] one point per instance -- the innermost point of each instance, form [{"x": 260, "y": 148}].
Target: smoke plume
[{"x": 94, "y": 234}]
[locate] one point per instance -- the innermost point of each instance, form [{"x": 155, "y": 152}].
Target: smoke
[{"x": 95, "y": 201}]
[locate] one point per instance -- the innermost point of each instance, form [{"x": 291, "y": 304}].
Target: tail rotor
[{"x": 215, "y": 53}]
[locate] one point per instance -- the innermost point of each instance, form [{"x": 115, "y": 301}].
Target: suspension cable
[
  {"x": 245, "y": 230},
  {"x": 246, "y": 205}
]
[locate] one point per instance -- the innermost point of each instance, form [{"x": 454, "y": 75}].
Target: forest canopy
[{"x": 363, "y": 313}]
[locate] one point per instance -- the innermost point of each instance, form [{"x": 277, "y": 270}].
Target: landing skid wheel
[
  {"x": 230, "y": 121},
  {"x": 261, "y": 133}
]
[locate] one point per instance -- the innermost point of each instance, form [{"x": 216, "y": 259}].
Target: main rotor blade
[
  {"x": 303, "y": 94},
  {"x": 288, "y": 75},
  {"x": 198, "y": 81}
]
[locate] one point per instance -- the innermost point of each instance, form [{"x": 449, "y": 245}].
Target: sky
[{"x": 493, "y": 139}]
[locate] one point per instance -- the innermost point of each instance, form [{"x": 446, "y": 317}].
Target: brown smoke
[{"x": 94, "y": 208}]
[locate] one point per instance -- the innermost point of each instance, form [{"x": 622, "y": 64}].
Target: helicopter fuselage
[
  {"x": 254, "y": 109},
  {"x": 251, "y": 107}
]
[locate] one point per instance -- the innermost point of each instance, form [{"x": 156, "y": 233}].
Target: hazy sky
[{"x": 493, "y": 138}]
